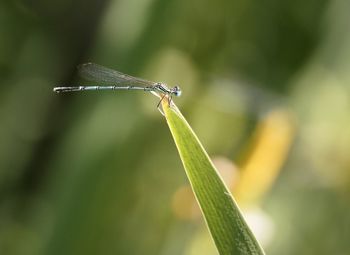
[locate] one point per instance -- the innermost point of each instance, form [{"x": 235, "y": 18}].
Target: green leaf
[{"x": 226, "y": 224}]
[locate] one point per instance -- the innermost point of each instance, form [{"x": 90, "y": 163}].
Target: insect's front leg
[
  {"x": 158, "y": 105},
  {"x": 170, "y": 99}
]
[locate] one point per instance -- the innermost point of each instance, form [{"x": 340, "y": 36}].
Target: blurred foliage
[{"x": 97, "y": 173}]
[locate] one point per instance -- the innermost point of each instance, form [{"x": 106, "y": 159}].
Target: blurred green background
[{"x": 265, "y": 87}]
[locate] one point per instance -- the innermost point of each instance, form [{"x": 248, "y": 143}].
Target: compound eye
[{"x": 176, "y": 91}]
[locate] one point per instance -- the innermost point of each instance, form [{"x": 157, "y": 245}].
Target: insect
[{"x": 119, "y": 81}]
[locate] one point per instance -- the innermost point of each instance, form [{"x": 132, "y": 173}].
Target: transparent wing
[{"x": 97, "y": 73}]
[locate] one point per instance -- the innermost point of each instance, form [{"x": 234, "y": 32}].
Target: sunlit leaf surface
[{"x": 223, "y": 217}]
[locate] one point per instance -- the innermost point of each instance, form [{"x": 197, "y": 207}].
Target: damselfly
[{"x": 119, "y": 81}]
